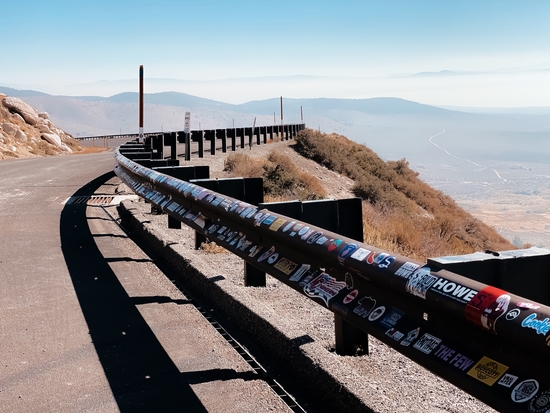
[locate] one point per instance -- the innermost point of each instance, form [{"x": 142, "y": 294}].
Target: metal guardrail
[
  {"x": 493, "y": 344},
  {"x": 241, "y": 131}
]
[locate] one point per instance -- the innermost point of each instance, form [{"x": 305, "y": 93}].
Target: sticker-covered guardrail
[{"x": 493, "y": 344}]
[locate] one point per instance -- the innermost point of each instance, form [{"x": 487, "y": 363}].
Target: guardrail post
[
  {"x": 257, "y": 131},
  {"x": 173, "y": 223},
  {"x": 158, "y": 147},
  {"x": 241, "y": 133},
  {"x": 211, "y": 136},
  {"x": 253, "y": 277},
  {"x": 167, "y": 140},
  {"x": 231, "y": 133},
  {"x": 222, "y": 134},
  {"x": 173, "y": 145},
  {"x": 349, "y": 340},
  {"x": 250, "y": 190},
  {"x": 248, "y": 134},
  {"x": 343, "y": 216},
  {"x": 197, "y": 136},
  {"x": 187, "y": 146}
]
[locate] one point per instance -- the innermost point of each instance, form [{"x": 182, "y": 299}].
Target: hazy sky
[{"x": 58, "y": 43}]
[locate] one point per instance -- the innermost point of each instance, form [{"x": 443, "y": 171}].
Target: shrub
[{"x": 282, "y": 179}]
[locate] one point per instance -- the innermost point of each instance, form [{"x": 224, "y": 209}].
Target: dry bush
[
  {"x": 282, "y": 178},
  {"x": 240, "y": 164},
  {"x": 212, "y": 248}
]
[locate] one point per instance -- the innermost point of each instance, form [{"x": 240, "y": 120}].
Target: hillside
[
  {"x": 401, "y": 213},
  {"x": 26, "y": 133}
]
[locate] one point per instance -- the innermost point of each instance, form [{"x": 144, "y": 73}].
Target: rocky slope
[{"x": 26, "y": 133}]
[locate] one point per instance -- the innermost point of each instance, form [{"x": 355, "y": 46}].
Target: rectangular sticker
[{"x": 487, "y": 371}]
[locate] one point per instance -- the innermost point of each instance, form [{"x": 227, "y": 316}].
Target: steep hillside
[
  {"x": 401, "y": 212},
  {"x": 26, "y": 133}
]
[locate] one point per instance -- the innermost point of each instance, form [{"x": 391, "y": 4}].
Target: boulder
[
  {"x": 52, "y": 138},
  {"x": 55, "y": 140},
  {"x": 43, "y": 128},
  {"x": 44, "y": 115},
  {"x": 9, "y": 128},
  {"x": 20, "y": 135},
  {"x": 26, "y": 111}
]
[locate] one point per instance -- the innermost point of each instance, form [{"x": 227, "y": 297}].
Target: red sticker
[
  {"x": 370, "y": 257},
  {"x": 486, "y": 307},
  {"x": 351, "y": 296}
]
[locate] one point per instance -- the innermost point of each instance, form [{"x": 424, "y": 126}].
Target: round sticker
[
  {"x": 512, "y": 314},
  {"x": 541, "y": 403},
  {"x": 272, "y": 258},
  {"x": 377, "y": 313}
]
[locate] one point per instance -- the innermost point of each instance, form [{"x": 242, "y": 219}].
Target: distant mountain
[
  {"x": 373, "y": 106},
  {"x": 20, "y": 93},
  {"x": 94, "y": 115}
]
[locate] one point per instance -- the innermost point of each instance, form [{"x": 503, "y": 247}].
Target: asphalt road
[{"x": 87, "y": 322}]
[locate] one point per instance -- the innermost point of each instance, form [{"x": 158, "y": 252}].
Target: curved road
[{"x": 87, "y": 322}]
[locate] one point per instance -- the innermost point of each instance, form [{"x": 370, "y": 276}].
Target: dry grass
[
  {"x": 91, "y": 149},
  {"x": 212, "y": 248}
]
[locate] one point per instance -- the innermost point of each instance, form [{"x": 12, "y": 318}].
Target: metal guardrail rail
[{"x": 493, "y": 344}]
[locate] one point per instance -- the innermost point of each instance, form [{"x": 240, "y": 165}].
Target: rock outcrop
[{"x": 26, "y": 133}]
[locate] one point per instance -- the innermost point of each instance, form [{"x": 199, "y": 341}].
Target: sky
[{"x": 495, "y": 50}]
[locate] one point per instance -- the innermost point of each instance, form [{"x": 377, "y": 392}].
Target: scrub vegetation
[
  {"x": 283, "y": 180},
  {"x": 401, "y": 212}
]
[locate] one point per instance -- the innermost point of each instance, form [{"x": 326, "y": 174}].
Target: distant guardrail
[
  {"x": 491, "y": 343},
  {"x": 271, "y": 129}
]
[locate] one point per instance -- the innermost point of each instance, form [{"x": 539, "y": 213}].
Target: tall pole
[
  {"x": 141, "y": 138},
  {"x": 282, "y": 124},
  {"x": 301, "y": 115}
]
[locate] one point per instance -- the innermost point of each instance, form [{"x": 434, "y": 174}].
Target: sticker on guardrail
[
  {"x": 487, "y": 371},
  {"x": 525, "y": 391}
]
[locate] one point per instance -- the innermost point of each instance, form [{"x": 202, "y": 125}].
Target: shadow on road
[{"x": 141, "y": 375}]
